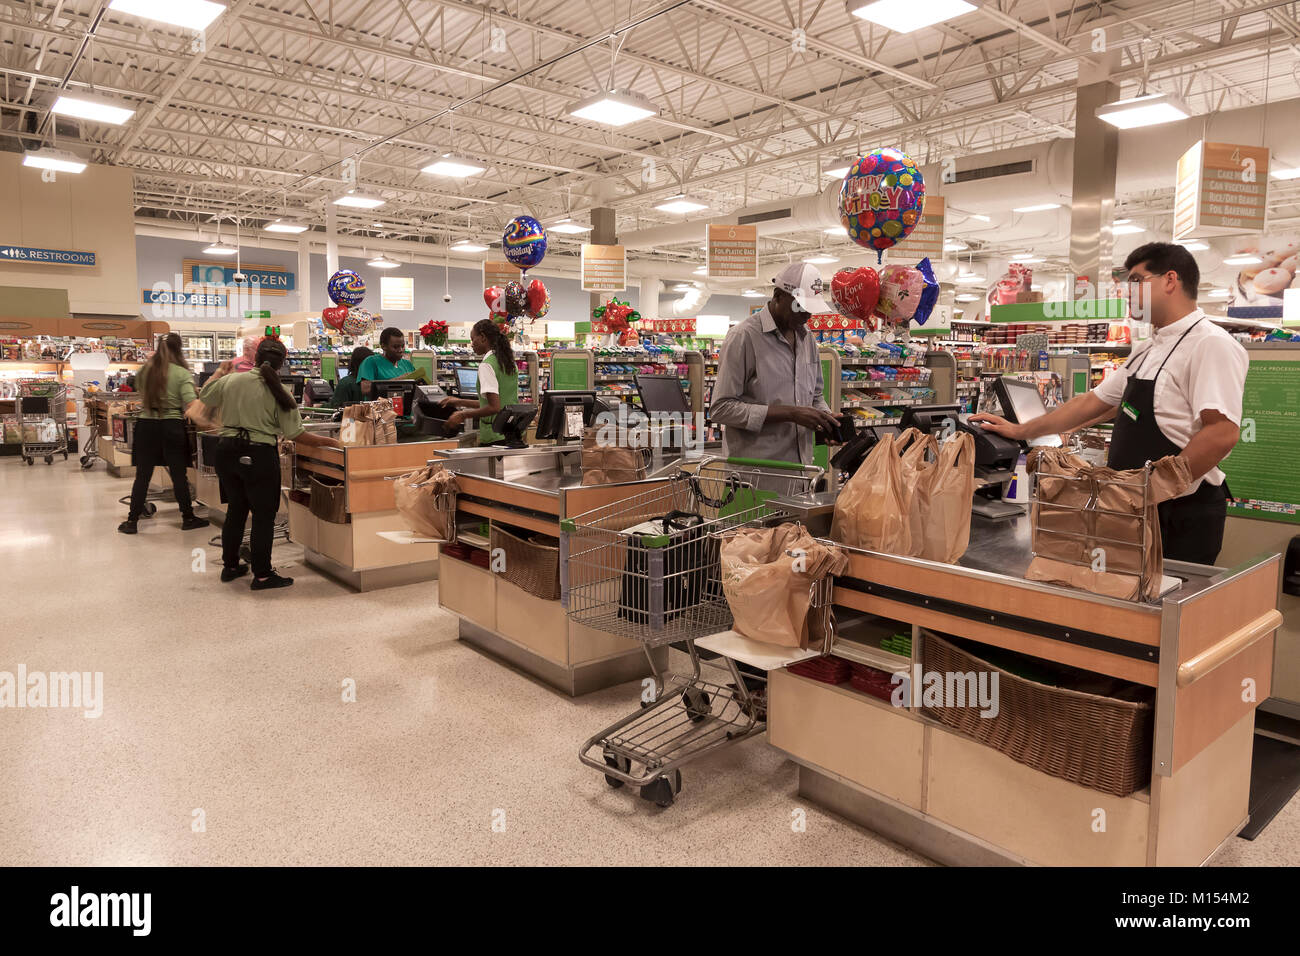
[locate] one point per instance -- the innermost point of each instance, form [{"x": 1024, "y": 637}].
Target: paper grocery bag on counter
[
  {"x": 767, "y": 577},
  {"x": 369, "y": 423},
  {"x": 604, "y": 464},
  {"x": 916, "y": 462},
  {"x": 426, "y": 500},
  {"x": 871, "y": 511},
  {"x": 945, "y": 493}
]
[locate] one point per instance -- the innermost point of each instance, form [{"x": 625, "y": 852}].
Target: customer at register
[
  {"x": 390, "y": 363},
  {"x": 348, "y": 390},
  {"x": 166, "y": 388},
  {"x": 1179, "y": 393},
  {"x": 498, "y": 382},
  {"x": 769, "y": 389},
  {"x": 255, "y": 412}
]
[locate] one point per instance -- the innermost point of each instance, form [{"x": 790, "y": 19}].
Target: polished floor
[{"x": 225, "y": 706}]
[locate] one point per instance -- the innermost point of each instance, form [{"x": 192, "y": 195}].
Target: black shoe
[
  {"x": 274, "y": 581},
  {"x": 229, "y": 574},
  {"x": 192, "y": 522},
  {"x": 128, "y": 526}
]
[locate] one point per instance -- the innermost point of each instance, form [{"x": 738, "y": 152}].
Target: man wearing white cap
[{"x": 769, "y": 389}]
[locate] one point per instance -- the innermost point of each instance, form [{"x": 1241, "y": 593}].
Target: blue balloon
[
  {"x": 346, "y": 287},
  {"x": 929, "y": 292},
  {"x": 524, "y": 242}
]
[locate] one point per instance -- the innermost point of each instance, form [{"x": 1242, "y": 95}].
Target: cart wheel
[
  {"x": 697, "y": 704},
  {"x": 622, "y": 764},
  {"x": 86, "y": 462},
  {"x": 30, "y": 461},
  {"x": 65, "y": 456},
  {"x": 150, "y": 509},
  {"x": 661, "y": 792},
  {"x": 49, "y": 459}
]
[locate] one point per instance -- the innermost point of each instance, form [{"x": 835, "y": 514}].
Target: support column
[
  {"x": 603, "y": 233},
  {"x": 331, "y": 241},
  {"x": 1096, "y": 152},
  {"x": 304, "y": 273}
]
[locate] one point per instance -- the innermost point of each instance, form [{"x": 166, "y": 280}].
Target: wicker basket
[
  {"x": 530, "y": 563},
  {"x": 1099, "y": 742}
]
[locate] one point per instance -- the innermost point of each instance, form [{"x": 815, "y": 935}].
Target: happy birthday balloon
[
  {"x": 882, "y": 199},
  {"x": 524, "y": 242},
  {"x": 516, "y": 299},
  {"x": 900, "y": 293},
  {"x": 539, "y": 299},
  {"x": 855, "y": 292},
  {"x": 346, "y": 287},
  {"x": 494, "y": 296}
]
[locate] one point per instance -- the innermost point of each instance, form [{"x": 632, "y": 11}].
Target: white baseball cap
[{"x": 804, "y": 283}]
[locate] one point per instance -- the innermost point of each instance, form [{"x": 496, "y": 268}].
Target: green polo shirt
[
  {"x": 376, "y": 368},
  {"x": 247, "y": 404},
  {"x": 347, "y": 392},
  {"x": 178, "y": 392}
]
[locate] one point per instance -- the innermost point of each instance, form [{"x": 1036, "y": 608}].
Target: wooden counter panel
[
  {"x": 551, "y": 528},
  {"x": 1139, "y": 625},
  {"x": 1126, "y": 668},
  {"x": 516, "y": 496},
  {"x": 302, "y": 526},
  {"x": 334, "y": 540},
  {"x": 1208, "y": 619},
  {"x": 539, "y": 625},
  {"x": 581, "y": 500},
  {"x": 1039, "y": 817},
  {"x": 467, "y": 590},
  {"x": 847, "y": 733},
  {"x": 1204, "y": 710},
  {"x": 370, "y": 467},
  {"x": 587, "y": 645},
  {"x": 371, "y": 551}
]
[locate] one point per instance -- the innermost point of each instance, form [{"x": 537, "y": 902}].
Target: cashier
[
  {"x": 348, "y": 390},
  {"x": 390, "y": 362},
  {"x": 769, "y": 389},
  {"x": 1179, "y": 393}
]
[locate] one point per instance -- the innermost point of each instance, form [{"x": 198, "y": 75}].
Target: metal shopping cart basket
[
  {"x": 647, "y": 568},
  {"x": 43, "y": 418}
]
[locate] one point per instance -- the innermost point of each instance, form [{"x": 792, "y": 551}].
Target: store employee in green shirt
[
  {"x": 389, "y": 364},
  {"x": 498, "y": 382},
  {"x": 348, "y": 390},
  {"x": 166, "y": 388}
]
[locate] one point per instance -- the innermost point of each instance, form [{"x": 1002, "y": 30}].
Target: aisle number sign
[
  {"x": 926, "y": 240},
  {"x": 604, "y": 268},
  {"x": 732, "y": 251},
  {"x": 1220, "y": 190},
  {"x": 498, "y": 273}
]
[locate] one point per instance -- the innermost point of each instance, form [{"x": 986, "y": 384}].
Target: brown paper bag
[
  {"x": 604, "y": 464},
  {"x": 946, "y": 491},
  {"x": 871, "y": 511},
  {"x": 426, "y": 500},
  {"x": 767, "y": 577},
  {"x": 915, "y": 464}
]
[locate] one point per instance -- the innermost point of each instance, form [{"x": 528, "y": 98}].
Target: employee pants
[
  {"x": 160, "y": 441},
  {"x": 250, "y": 477},
  {"x": 1191, "y": 527}
]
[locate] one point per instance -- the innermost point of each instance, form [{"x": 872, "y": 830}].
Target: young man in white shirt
[{"x": 1179, "y": 393}]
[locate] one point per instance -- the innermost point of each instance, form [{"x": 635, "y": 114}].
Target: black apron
[{"x": 1191, "y": 527}]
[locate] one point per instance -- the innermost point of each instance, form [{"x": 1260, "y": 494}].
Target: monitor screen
[
  {"x": 663, "y": 393},
  {"x": 1022, "y": 402},
  {"x": 399, "y": 391},
  {"x": 294, "y": 383},
  {"x": 928, "y": 417},
  {"x": 467, "y": 381},
  {"x": 564, "y": 415}
]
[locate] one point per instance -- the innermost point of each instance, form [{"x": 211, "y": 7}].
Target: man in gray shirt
[{"x": 769, "y": 389}]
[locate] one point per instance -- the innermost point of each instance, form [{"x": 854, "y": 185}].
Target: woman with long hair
[
  {"x": 166, "y": 389},
  {"x": 498, "y": 382},
  {"x": 256, "y": 412}
]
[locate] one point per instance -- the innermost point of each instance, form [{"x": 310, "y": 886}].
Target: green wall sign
[
  {"x": 1262, "y": 472},
  {"x": 570, "y": 373}
]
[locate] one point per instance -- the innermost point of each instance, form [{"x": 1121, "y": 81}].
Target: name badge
[{"x": 1129, "y": 410}]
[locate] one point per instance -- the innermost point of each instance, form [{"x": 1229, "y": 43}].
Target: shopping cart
[
  {"x": 43, "y": 418},
  {"x": 641, "y": 569}
]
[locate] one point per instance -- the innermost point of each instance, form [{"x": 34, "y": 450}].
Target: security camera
[
  {"x": 239, "y": 278},
  {"x": 447, "y": 297}
]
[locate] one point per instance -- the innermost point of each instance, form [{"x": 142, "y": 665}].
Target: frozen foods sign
[{"x": 271, "y": 280}]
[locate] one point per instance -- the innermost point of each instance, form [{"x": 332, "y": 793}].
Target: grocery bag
[
  {"x": 673, "y": 555},
  {"x": 916, "y": 463},
  {"x": 767, "y": 577},
  {"x": 426, "y": 500},
  {"x": 604, "y": 464},
  {"x": 944, "y": 496},
  {"x": 871, "y": 511}
]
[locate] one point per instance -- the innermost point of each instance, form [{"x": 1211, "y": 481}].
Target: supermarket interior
[{"x": 680, "y": 432}]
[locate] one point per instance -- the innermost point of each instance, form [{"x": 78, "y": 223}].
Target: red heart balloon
[
  {"x": 330, "y": 317},
  {"x": 536, "y": 295},
  {"x": 855, "y": 292},
  {"x": 494, "y": 296}
]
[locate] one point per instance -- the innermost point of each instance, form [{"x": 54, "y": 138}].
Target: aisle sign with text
[
  {"x": 498, "y": 273},
  {"x": 270, "y": 280},
  {"x": 926, "y": 240},
  {"x": 1220, "y": 190},
  {"x": 55, "y": 257},
  {"x": 732, "y": 251},
  {"x": 604, "y": 268}
]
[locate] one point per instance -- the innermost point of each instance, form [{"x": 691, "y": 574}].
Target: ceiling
[{"x": 260, "y": 116}]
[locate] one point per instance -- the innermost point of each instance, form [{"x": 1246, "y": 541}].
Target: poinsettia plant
[{"x": 434, "y": 332}]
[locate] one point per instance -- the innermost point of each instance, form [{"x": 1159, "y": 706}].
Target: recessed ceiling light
[
  {"x": 94, "y": 109},
  {"x": 820, "y": 260},
  {"x": 193, "y": 14},
  {"x": 60, "y": 160},
  {"x": 382, "y": 261},
  {"x": 354, "y": 199},
  {"x": 1150, "y": 109},
  {"x": 1038, "y": 207},
  {"x": 1193, "y": 245},
  {"x": 284, "y": 225},
  {"x": 1243, "y": 259},
  {"x": 1292, "y": 172},
  {"x": 904, "y": 16},
  {"x": 614, "y": 108},
  {"x": 468, "y": 245},
  {"x": 836, "y": 231},
  {"x": 568, "y": 227},
  {"x": 455, "y": 167},
  {"x": 681, "y": 204}
]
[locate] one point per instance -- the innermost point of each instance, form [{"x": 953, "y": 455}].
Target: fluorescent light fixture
[
  {"x": 701, "y": 271},
  {"x": 954, "y": 245},
  {"x": 1150, "y": 109},
  {"x": 683, "y": 287},
  {"x": 681, "y": 204},
  {"x": 192, "y": 14},
  {"x": 969, "y": 278},
  {"x": 456, "y": 167},
  {"x": 1243, "y": 259},
  {"x": 981, "y": 217},
  {"x": 614, "y": 108},
  {"x": 219, "y": 248},
  {"x": 95, "y": 109},
  {"x": 820, "y": 260},
  {"x": 1218, "y": 294},
  {"x": 836, "y": 231},
  {"x": 1292, "y": 172},
  {"x": 568, "y": 227},
  {"x": 753, "y": 294},
  {"x": 1193, "y": 245},
  {"x": 284, "y": 225},
  {"x": 468, "y": 245},
  {"x": 381, "y": 261},
  {"x": 1039, "y": 207},
  {"x": 60, "y": 160},
  {"x": 1126, "y": 228},
  {"x": 904, "y": 16},
  {"x": 966, "y": 297},
  {"x": 841, "y": 168},
  {"x": 358, "y": 200}
]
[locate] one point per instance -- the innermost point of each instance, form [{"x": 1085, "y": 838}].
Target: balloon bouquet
[
  {"x": 618, "y": 317},
  {"x": 524, "y": 243},
  {"x": 347, "y": 290}
]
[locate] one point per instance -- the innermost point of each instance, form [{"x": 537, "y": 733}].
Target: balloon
[
  {"x": 539, "y": 300},
  {"x": 346, "y": 288},
  {"x": 900, "y": 293},
  {"x": 333, "y": 318},
  {"x": 855, "y": 292},
  {"x": 516, "y": 299},
  {"x": 882, "y": 199},
  {"x": 524, "y": 242},
  {"x": 929, "y": 292},
  {"x": 494, "y": 296},
  {"x": 364, "y": 316}
]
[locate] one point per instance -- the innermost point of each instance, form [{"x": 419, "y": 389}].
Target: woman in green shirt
[
  {"x": 166, "y": 388},
  {"x": 348, "y": 390},
  {"x": 498, "y": 382},
  {"x": 255, "y": 412}
]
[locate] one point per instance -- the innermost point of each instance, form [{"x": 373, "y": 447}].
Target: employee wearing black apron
[{"x": 1179, "y": 394}]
